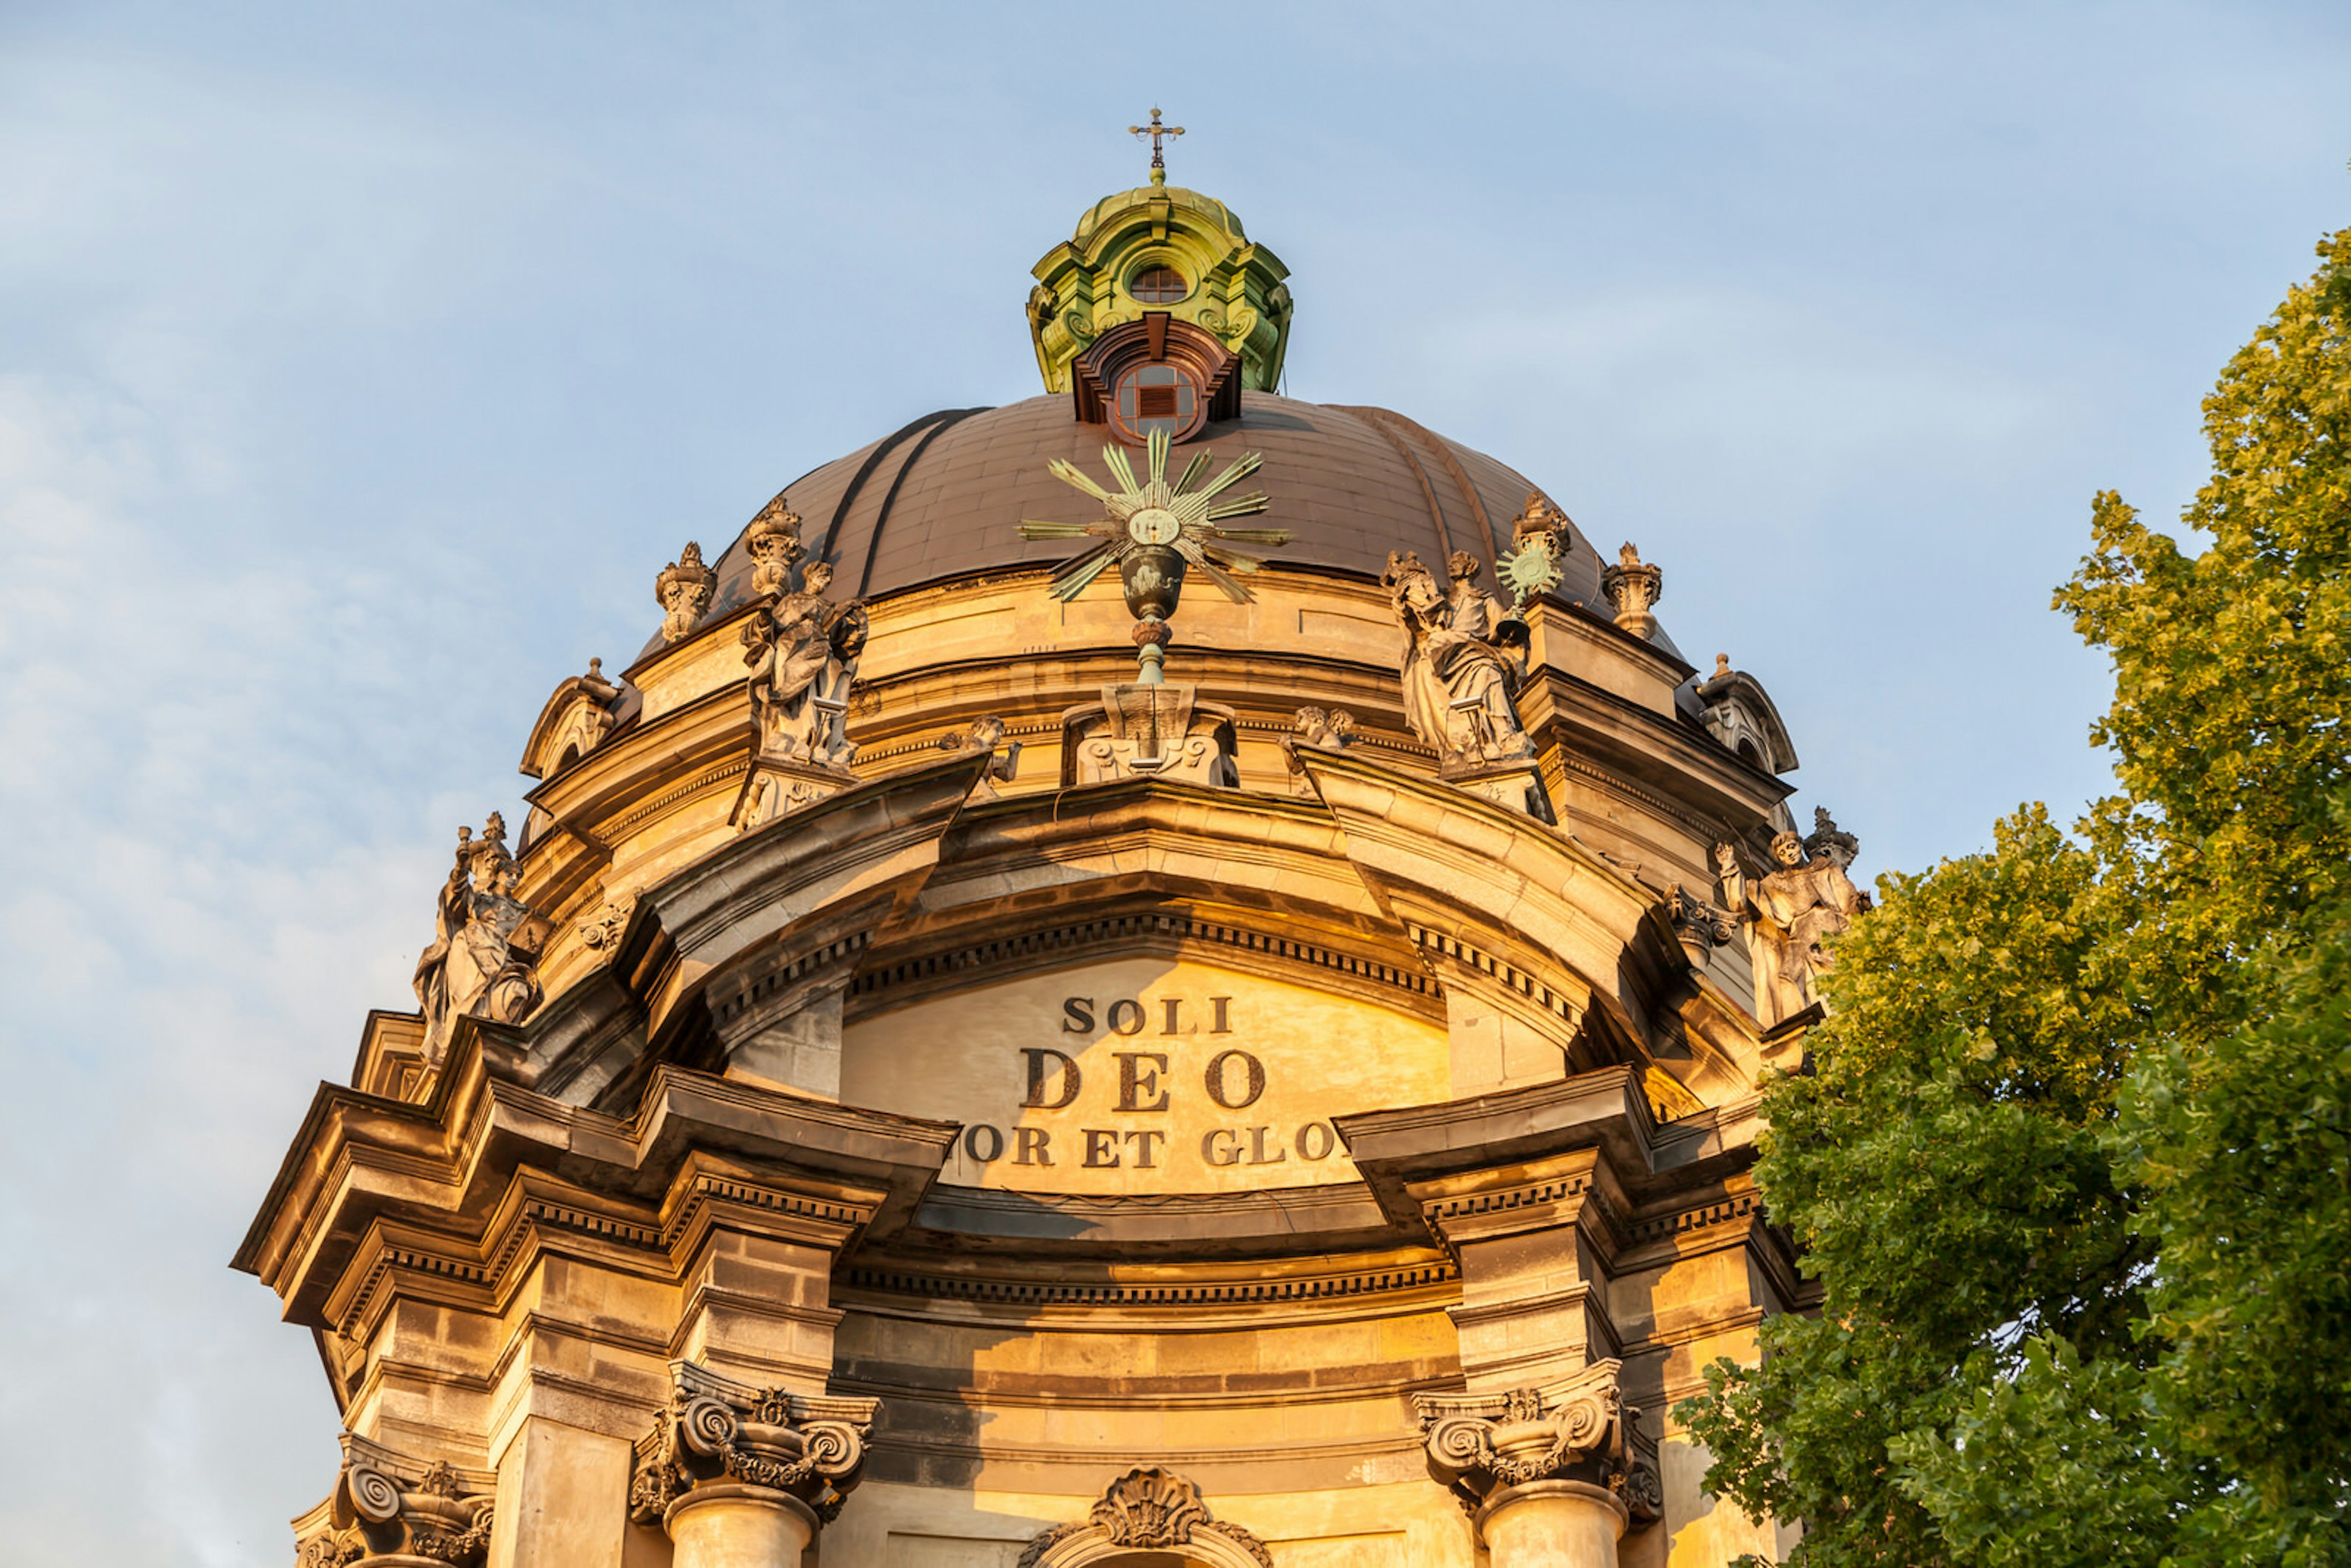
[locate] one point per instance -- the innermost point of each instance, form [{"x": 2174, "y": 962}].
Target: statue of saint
[
  {"x": 1460, "y": 674},
  {"x": 1789, "y": 915},
  {"x": 803, "y": 654},
  {"x": 483, "y": 962}
]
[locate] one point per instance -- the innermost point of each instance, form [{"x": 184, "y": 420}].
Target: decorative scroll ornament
[
  {"x": 386, "y": 1505},
  {"x": 683, "y": 589},
  {"x": 483, "y": 958},
  {"x": 1577, "y": 1428},
  {"x": 1634, "y": 587},
  {"x": 601, "y": 930},
  {"x": 1152, "y": 531},
  {"x": 1151, "y": 1510},
  {"x": 718, "y": 1430}
]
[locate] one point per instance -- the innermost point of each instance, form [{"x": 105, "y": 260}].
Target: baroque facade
[{"x": 1093, "y": 996}]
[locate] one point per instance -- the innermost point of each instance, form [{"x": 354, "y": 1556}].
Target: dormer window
[
  {"x": 1158, "y": 286},
  {"x": 1153, "y": 398},
  {"x": 1158, "y": 374}
]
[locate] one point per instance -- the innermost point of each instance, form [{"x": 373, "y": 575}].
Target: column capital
[
  {"x": 719, "y": 1433},
  {"x": 390, "y": 1509},
  {"x": 1575, "y": 1428}
]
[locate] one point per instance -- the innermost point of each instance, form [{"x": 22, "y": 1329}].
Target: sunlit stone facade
[{"x": 993, "y": 1054}]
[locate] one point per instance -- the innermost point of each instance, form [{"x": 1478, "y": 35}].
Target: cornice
[{"x": 453, "y": 1190}]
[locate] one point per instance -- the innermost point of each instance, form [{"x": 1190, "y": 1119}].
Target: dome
[
  {"x": 1208, "y": 209},
  {"x": 943, "y": 496}
]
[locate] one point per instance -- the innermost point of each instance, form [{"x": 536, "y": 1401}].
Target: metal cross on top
[{"x": 1156, "y": 131}]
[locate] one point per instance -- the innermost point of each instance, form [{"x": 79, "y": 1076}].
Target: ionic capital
[
  {"x": 387, "y": 1508},
  {"x": 720, "y": 1433},
  {"x": 1574, "y": 1430}
]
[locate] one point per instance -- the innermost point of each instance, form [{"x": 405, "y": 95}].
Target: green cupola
[{"x": 1166, "y": 253}]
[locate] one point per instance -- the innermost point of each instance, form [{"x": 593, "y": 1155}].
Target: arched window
[{"x": 1158, "y": 286}]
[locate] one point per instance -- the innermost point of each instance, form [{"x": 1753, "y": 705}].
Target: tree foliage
[{"x": 2073, "y": 1165}]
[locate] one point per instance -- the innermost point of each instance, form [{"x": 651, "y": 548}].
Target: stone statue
[
  {"x": 683, "y": 589},
  {"x": 803, "y": 651},
  {"x": 1459, "y": 674},
  {"x": 1789, "y": 915},
  {"x": 773, "y": 543},
  {"x": 483, "y": 962},
  {"x": 1634, "y": 587},
  {"x": 1331, "y": 729}
]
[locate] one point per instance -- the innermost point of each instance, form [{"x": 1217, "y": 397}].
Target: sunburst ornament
[{"x": 1153, "y": 530}]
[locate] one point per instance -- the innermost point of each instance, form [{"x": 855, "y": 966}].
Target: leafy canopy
[{"x": 2073, "y": 1165}]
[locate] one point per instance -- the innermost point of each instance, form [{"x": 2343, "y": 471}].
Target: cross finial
[{"x": 1158, "y": 153}]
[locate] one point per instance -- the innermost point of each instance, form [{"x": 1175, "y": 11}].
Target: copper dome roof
[{"x": 942, "y": 497}]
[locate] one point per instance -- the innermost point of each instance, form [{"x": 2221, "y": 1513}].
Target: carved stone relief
[
  {"x": 600, "y": 931},
  {"x": 387, "y": 1506},
  {"x": 1148, "y": 1509},
  {"x": 717, "y": 1431},
  {"x": 1141, "y": 731},
  {"x": 484, "y": 959},
  {"x": 683, "y": 590}
]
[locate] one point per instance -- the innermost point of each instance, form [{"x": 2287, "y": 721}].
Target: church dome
[
  {"x": 942, "y": 498},
  {"x": 968, "y": 1014}
]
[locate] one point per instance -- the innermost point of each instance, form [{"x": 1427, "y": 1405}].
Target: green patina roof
[
  {"x": 1238, "y": 292},
  {"x": 1208, "y": 207}
]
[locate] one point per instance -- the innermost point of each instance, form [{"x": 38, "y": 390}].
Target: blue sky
[{"x": 362, "y": 364}]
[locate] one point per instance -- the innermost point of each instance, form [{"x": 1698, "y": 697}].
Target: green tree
[{"x": 2073, "y": 1167}]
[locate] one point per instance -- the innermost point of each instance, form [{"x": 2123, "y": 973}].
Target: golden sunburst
[{"x": 1154, "y": 513}]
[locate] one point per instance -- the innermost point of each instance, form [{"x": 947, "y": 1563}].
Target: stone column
[
  {"x": 1550, "y": 1474},
  {"x": 742, "y": 1477}
]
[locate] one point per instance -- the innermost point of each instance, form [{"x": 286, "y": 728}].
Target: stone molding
[
  {"x": 1575, "y": 1428},
  {"x": 1147, "y": 1509},
  {"x": 363, "y": 1211},
  {"x": 387, "y": 1508},
  {"x": 720, "y": 1433},
  {"x": 1282, "y": 952}
]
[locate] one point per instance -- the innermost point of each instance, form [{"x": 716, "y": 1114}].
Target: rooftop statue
[
  {"x": 1789, "y": 915},
  {"x": 802, "y": 652},
  {"x": 1461, "y": 668},
  {"x": 483, "y": 962}
]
